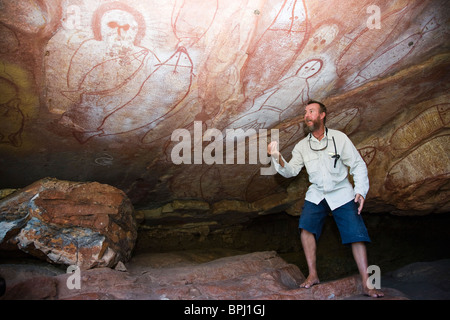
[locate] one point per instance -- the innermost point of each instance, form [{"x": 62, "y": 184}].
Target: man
[{"x": 328, "y": 155}]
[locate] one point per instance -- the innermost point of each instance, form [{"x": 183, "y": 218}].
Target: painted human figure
[
  {"x": 275, "y": 52},
  {"x": 107, "y": 70},
  {"x": 390, "y": 57},
  {"x": 278, "y": 102},
  {"x": 115, "y": 82}
]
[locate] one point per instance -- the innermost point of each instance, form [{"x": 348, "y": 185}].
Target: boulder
[{"x": 87, "y": 224}]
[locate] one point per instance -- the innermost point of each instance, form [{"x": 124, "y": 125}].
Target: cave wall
[{"x": 93, "y": 90}]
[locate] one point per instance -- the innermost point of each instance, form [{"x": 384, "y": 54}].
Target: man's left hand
[{"x": 359, "y": 199}]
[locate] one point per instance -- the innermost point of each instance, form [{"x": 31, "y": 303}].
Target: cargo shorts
[{"x": 350, "y": 224}]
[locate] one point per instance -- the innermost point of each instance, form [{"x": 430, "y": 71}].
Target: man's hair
[{"x": 321, "y": 109}]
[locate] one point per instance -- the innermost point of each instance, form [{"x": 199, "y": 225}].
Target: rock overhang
[{"x": 97, "y": 92}]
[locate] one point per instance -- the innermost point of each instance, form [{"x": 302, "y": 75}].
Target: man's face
[{"x": 313, "y": 117}]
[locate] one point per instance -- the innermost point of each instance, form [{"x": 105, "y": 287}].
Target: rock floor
[{"x": 195, "y": 275}]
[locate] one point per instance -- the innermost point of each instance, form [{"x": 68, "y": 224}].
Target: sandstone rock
[
  {"x": 430, "y": 280},
  {"x": 258, "y": 275},
  {"x": 39, "y": 288},
  {"x": 106, "y": 107},
  {"x": 6, "y": 192},
  {"x": 120, "y": 267},
  {"x": 71, "y": 223},
  {"x": 18, "y": 272}
]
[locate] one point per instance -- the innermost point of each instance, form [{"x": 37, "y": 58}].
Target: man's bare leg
[
  {"x": 360, "y": 255},
  {"x": 309, "y": 247}
]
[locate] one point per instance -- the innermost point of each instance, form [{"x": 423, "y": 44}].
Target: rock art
[{"x": 93, "y": 90}]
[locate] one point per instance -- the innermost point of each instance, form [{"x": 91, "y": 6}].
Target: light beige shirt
[{"x": 327, "y": 181}]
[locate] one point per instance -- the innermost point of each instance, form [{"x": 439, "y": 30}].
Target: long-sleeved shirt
[{"x": 328, "y": 181}]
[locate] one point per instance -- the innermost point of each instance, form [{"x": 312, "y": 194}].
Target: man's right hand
[{"x": 272, "y": 149}]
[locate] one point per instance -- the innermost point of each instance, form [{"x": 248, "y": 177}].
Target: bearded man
[{"x": 328, "y": 156}]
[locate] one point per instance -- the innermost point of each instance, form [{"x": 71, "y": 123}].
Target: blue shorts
[{"x": 350, "y": 224}]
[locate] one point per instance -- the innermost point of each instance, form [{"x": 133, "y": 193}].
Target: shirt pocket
[
  {"x": 311, "y": 162},
  {"x": 332, "y": 168}
]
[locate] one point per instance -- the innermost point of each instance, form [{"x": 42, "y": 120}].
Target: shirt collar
[{"x": 311, "y": 136}]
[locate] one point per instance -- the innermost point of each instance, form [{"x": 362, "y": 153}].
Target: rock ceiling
[{"x": 139, "y": 94}]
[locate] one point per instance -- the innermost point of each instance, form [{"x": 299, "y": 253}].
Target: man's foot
[
  {"x": 374, "y": 293},
  {"x": 309, "y": 282}
]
